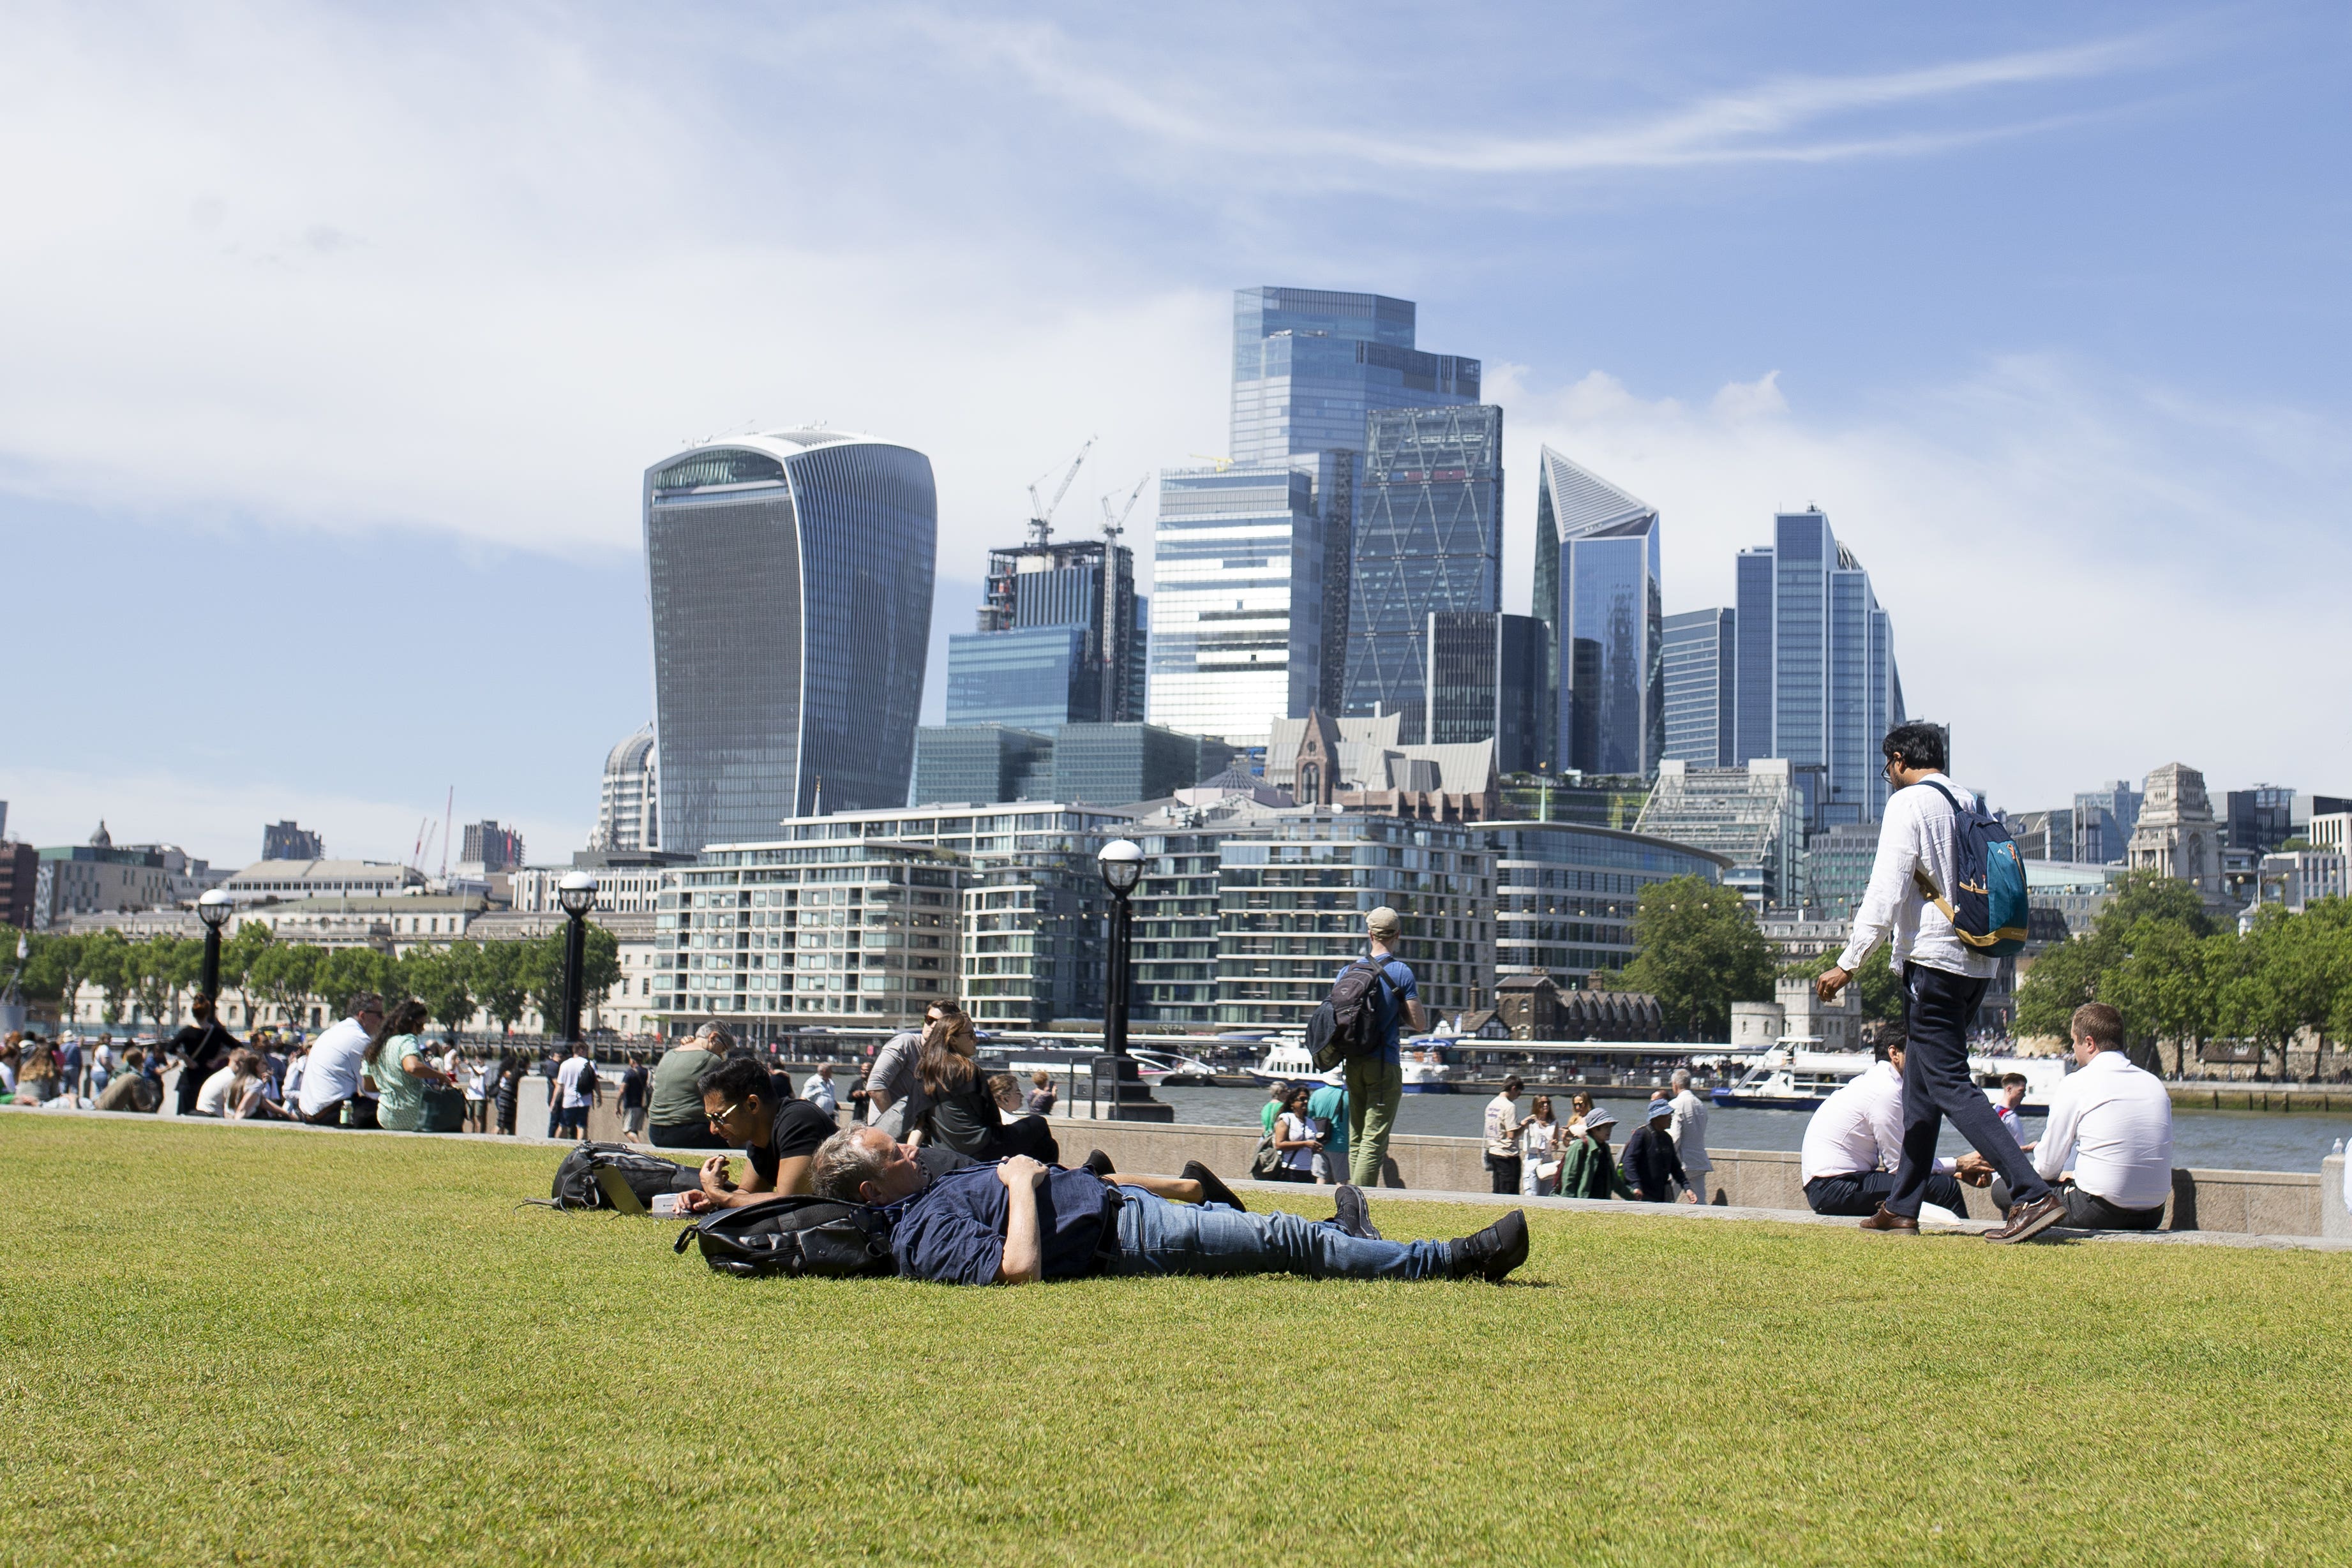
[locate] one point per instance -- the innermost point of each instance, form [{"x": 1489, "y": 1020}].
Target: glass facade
[
  {"x": 1067, "y": 584},
  {"x": 1309, "y": 364},
  {"x": 1487, "y": 679},
  {"x": 2104, "y": 820},
  {"x": 1598, "y": 589},
  {"x": 1427, "y": 538},
  {"x": 1807, "y": 613},
  {"x": 980, "y": 763},
  {"x": 1702, "y": 695},
  {"x": 1120, "y": 764},
  {"x": 1035, "y": 678},
  {"x": 1751, "y": 815},
  {"x": 789, "y": 580},
  {"x": 1237, "y": 611},
  {"x": 1837, "y": 868},
  {"x": 1565, "y": 895}
]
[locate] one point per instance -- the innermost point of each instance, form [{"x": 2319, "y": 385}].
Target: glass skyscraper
[
  {"x": 1237, "y": 612},
  {"x": 1489, "y": 680},
  {"x": 1817, "y": 677},
  {"x": 1702, "y": 693},
  {"x": 1309, "y": 364},
  {"x": 1597, "y": 587},
  {"x": 1087, "y": 584},
  {"x": 1033, "y": 678},
  {"x": 1428, "y": 540},
  {"x": 790, "y": 577}
]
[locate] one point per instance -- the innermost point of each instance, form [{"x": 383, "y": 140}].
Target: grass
[{"x": 230, "y": 1344}]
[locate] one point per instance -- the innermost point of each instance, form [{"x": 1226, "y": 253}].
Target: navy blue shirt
[
  {"x": 1400, "y": 988},
  {"x": 953, "y": 1232}
]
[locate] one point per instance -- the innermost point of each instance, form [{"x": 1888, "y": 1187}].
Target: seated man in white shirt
[
  {"x": 2114, "y": 1122},
  {"x": 1855, "y": 1140}
]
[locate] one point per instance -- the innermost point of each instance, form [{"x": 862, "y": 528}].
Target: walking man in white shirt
[
  {"x": 2114, "y": 1120},
  {"x": 1688, "y": 1129},
  {"x": 1944, "y": 982}
]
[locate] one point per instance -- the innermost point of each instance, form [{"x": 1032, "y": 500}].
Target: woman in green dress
[{"x": 395, "y": 1060}]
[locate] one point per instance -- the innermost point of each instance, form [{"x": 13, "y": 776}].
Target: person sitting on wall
[
  {"x": 2114, "y": 1120},
  {"x": 1587, "y": 1169},
  {"x": 779, "y": 1137},
  {"x": 1020, "y": 1221},
  {"x": 1855, "y": 1139}
]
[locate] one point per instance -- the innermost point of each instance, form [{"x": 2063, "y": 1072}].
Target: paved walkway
[{"x": 1307, "y": 1197}]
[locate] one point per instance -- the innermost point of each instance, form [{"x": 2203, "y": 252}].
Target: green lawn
[{"x": 232, "y": 1344}]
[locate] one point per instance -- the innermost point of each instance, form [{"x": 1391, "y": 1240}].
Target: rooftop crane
[
  {"x": 1117, "y": 587},
  {"x": 1115, "y": 526},
  {"x": 1041, "y": 513}
]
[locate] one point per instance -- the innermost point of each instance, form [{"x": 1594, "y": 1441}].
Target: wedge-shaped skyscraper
[
  {"x": 1597, "y": 587},
  {"x": 791, "y": 584}
]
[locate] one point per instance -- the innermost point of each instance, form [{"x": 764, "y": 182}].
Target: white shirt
[
  {"x": 567, "y": 1077},
  {"x": 1500, "y": 1141},
  {"x": 1536, "y": 1140},
  {"x": 2013, "y": 1121},
  {"x": 1859, "y": 1128},
  {"x": 1688, "y": 1129},
  {"x": 211, "y": 1100},
  {"x": 292, "y": 1088},
  {"x": 331, "y": 1071},
  {"x": 2114, "y": 1122},
  {"x": 1919, "y": 832},
  {"x": 818, "y": 1091}
]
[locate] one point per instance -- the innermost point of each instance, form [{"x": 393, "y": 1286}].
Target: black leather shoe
[
  {"x": 1493, "y": 1252},
  {"x": 1099, "y": 1163},
  {"x": 1353, "y": 1216},
  {"x": 1211, "y": 1189},
  {"x": 2028, "y": 1221},
  {"x": 1887, "y": 1223}
]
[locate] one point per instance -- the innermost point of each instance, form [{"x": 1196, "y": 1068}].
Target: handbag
[{"x": 1267, "y": 1161}]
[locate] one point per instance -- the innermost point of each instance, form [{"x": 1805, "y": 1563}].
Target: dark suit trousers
[
  {"x": 1858, "y": 1195},
  {"x": 1936, "y": 1084}
]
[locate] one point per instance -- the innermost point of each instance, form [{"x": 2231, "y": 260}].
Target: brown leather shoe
[
  {"x": 1888, "y": 1223},
  {"x": 2027, "y": 1220}
]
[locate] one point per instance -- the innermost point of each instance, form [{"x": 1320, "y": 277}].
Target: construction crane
[
  {"x": 1041, "y": 513},
  {"x": 1114, "y": 648},
  {"x": 1115, "y": 526},
  {"x": 1223, "y": 462}
]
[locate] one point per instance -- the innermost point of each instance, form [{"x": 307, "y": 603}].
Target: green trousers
[{"x": 1374, "y": 1089}]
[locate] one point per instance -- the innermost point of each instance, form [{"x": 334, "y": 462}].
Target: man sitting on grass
[
  {"x": 779, "y": 1136},
  {"x": 1855, "y": 1140},
  {"x": 1018, "y": 1222}
]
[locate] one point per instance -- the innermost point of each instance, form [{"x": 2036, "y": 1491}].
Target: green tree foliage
[
  {"x": 501, "y": 981},
  {"x": 443, "y": 979},
  {"x": 161, "y": 968},
  {"x": 57, "y": 967},
  {"x": 286, "y": 975},
  {"x": 113, "y": 968},
  {"x": 1697, "y": 951}
]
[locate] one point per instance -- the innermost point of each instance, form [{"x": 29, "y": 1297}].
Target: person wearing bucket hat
[{"x": 1588, "y": 1169}]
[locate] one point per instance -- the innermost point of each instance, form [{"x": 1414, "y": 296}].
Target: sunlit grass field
[{"x": 232, "y": 1345}]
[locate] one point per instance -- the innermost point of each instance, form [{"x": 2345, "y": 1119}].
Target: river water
[{"x": 2207, "y": 1140}]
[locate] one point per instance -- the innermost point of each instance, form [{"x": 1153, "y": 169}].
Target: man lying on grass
[{"x": 1017, "y": 1221}]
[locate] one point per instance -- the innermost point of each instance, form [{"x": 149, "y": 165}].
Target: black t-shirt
[
  {"x": 633, "y": 1088},
  {"x": 797, "y": 1131}
]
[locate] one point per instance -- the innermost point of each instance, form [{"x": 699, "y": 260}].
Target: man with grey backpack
[{"x": 1370, "y": 1018}]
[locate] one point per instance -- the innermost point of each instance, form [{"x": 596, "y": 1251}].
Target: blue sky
[{"x": 332, "y": 342}]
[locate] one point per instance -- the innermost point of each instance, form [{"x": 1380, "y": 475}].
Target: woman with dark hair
[
  {"x": 395, "y": 1060},
  {"x": 1297, "y": 1137},
  {"x": 963, "y": 1114}
]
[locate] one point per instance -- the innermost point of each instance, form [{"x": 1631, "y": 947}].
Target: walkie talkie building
[{"x": 790, "y": 576}]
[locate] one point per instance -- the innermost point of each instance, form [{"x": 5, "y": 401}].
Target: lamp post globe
[
  {"x": 213, "y": 908},
  {"x": 577, "y": 893},
  {"x": 1122, "y": 867}
]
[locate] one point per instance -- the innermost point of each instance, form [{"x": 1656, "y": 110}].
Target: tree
[
  {"x": 2064, "y": 977},
  {"x": 237, "y": 953},
  {"x": 442, "y": 978},
  {"x": 1697, "y": 951},
  {"x": 286, "y": 974},
  {"x": 57, "y": 967},
  {"x": 501, "y": 981},
  {"x": 2164, "y": 982},
  {"x": 345, "y": 972},
  {"x": 113, "y": 968},
  {"x": 160, "y": 967}
]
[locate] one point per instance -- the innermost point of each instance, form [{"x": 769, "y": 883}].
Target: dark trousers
[
  {"x": 363, "y": 1111},
  {"x": 1858, "y": 1195},
  {"x": 686, "y": 1136},
  {"x": 2088, "y": 1211},
  {"x": 1505, "y": 1169},
  {"x": 331, "y": 1115},
  {"x": 1936, "y": 1084}
]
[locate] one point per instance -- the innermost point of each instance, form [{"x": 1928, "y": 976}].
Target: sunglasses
[{"x": 715, "y": 1117}]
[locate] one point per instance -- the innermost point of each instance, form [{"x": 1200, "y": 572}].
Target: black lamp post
[
  {"x": 214, "y": 909},
  {"x": 1122, "y": 868},
  {"x": 577, "y": 893}
]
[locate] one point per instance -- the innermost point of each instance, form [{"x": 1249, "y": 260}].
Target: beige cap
[{"x": 1382, "y": 921}]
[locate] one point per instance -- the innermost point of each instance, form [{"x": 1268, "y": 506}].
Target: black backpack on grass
[
  {"x": 802, "y": 1238},
  {"x": 648, "y": 1176}
]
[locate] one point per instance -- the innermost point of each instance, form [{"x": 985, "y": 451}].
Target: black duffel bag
[
  {"x": 799, "y": 1236},
  {"x": 648, "y": 1176}
]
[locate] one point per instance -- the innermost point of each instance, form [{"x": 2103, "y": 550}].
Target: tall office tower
[
  {"x": 1489, "y": 680},
  {"x": 1597, "y": 587},
  {"x": 1702, "y": 661},
  {"x": 1035, "y": 678},
  {"x": 1087, "y": 584},
  {"x": 628, "y": 806},
  {"x": 286, "y": 841},
  {"x": 2262, "y": 817},
  {"x": 1309, "y": 367},
  {"x": 1428, "y": 540},
  {"x": 2104, "y": 820},
  {"x": 1237, "y": 611},
  {"x": 791, "y": 584},
  {"x": 1829, "y": 689}
]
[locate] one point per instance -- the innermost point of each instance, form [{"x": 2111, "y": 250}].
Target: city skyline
[{"x": 373, "y": 368}]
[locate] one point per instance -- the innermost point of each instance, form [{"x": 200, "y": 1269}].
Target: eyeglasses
[{"x": 715, "y": 1117}]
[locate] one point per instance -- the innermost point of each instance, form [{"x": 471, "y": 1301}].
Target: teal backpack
[{"x": 1987, "y": 909}]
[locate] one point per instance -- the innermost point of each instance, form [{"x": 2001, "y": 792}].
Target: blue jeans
[{"x": 1156, "y": 1236}]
